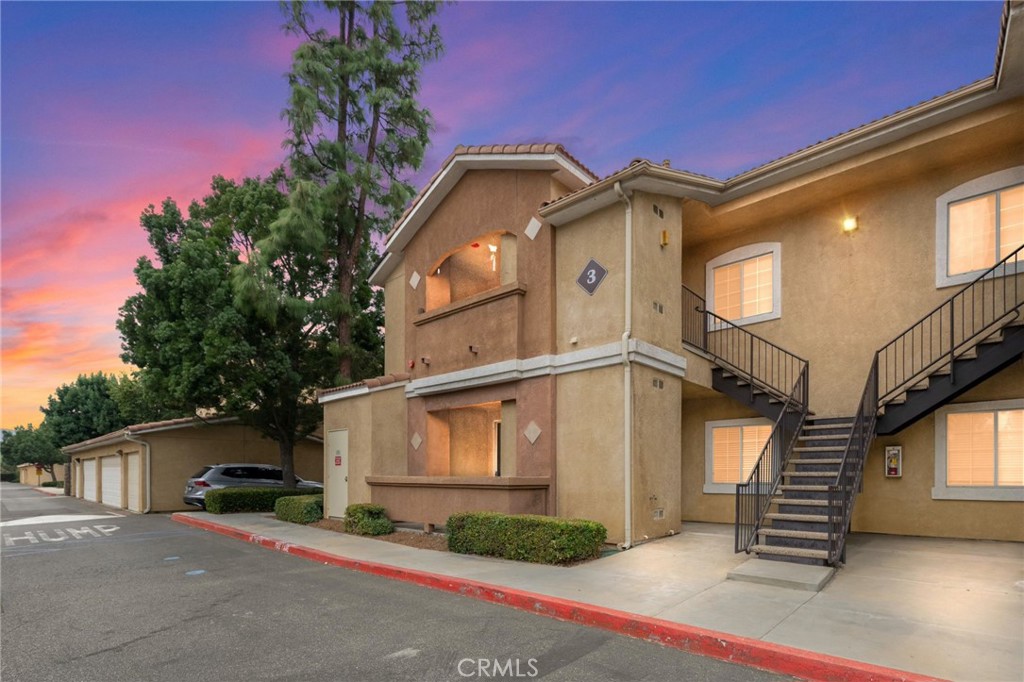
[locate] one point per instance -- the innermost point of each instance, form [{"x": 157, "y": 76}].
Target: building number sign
[{"x": 591, "y": 277}]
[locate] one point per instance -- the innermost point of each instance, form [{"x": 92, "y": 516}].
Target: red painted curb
[{"x": 806, "y": 665}]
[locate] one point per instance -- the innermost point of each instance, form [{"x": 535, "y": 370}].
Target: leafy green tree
[
  {"x": 139, "y": 403},
  {"x": 82, "y": 410},
  {"x": 355, "y": 129},
  {"x": 29, "y": 445},
  {"x": 200, "y": 342}
]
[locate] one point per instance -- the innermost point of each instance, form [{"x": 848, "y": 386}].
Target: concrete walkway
[{"x": 951, "y": 609}]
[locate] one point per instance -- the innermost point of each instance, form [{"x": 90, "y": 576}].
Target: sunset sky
[{"x": 109, "y": 107}]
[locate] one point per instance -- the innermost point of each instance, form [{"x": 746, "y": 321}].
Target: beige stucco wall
[
  {"x": 903, "y": 506},
  {"x": 844, "y": 296},
  {"x": 27, "y": 474},
  {"x": 375, "y": 422},
  {"x": 657, "y": 271},
  {"x": 656, "y": 453},
  {"x": 394, "y": 321},
  {"x": 590, "y": 447},
  {"x": 590, "y": 320}
]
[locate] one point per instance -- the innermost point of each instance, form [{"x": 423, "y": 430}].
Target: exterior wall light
[{"x": 850, "y": 224}]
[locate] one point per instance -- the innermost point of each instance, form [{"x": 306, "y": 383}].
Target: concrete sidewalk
[{"x": 951, "y": 609}]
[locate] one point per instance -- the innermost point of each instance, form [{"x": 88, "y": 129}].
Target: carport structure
[{"x": 143, "y": 467}]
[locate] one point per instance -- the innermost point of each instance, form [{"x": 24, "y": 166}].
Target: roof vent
[{"x": 667, "y": 163}]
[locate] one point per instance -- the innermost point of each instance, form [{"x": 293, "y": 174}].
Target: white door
[
  {"x": 134, "y": 482},
  {"x": 89, "y": 480},
  {"x": 336, "y": 469},
  {"x": 110, "y": 472}
]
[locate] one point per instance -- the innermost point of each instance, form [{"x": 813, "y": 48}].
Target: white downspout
[
  {"x": 149, "y": 471},
  {"x": 627, "y": 386}
]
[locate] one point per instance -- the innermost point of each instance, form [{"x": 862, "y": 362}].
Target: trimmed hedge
[
  {"x": 525, "y": 537},
  {"x": 247, "y": 500},
  {"x": 300, "y": 508},
  {"x": 367, "y": 519},
  {"x": 52, "y": 484}
]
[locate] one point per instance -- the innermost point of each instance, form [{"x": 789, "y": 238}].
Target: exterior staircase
[
  {"x": 797, "y": 504},
  {"x": 795, "y": 529}
]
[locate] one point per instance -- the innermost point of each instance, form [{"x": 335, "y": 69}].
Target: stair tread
[
  {"x": 819, "y": 448},
  {"x": 811, "y": 474},
  {"x": 799, "y": 534},
  {"x": 811, "y": 460},
  {"x": 822, "y": 436},
  {"x": 780, "y": 499},
  {"x": 818, "y": 427},
  {"x": 805, "y": 488},
  {"x": 790, "y": 551},
  {"x": 807, "y": 518}
]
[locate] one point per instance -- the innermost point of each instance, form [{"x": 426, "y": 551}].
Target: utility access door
[{"x": 336, "y": 469}]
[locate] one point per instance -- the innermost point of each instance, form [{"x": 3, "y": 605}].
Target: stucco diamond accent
[
  {"x": 533, "y": 228},
  {"x": 416, "y": 441},
  {"x": 532, "y": 432},
  {"x": 414, "y": 281}
]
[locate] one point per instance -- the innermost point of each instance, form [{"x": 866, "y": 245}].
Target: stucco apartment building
[{"x": 838, "y": 331}]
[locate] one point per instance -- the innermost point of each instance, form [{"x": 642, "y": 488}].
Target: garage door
[
  {"x": 89, "y": 479},
  {"x": 111, "y": 474},
  {"x": 134, "y": 482}
]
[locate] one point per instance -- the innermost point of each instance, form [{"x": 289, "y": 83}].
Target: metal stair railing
[
  {"x": 932, "y": 343},
  {"x": 768, "y": 368},
  {"x": 764, "y": 365},
  {"x": 754, "y": 496},
  {"x": 953, "y": 328}
]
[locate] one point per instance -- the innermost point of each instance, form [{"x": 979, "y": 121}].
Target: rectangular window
[
  {"x": 980, "y": 451},
  {"x": 735, "y": 450},
  {"x": 744, "y": 289},
  {"x": 985, "y": 448},
  {"x": 985, "y": 229}
]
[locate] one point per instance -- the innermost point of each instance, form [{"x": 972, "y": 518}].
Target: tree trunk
[
  {"x": 48, "y": 468},
  {"x": 67, "y": 475},
  {"x": 287, "y": 450}
]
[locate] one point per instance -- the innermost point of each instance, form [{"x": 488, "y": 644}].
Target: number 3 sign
[{"x": 591, "y": 277}]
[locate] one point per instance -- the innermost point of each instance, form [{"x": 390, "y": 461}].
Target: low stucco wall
[{"x": 432, "y": 499}]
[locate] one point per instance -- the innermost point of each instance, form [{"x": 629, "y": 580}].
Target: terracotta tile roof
[
  {"x": 368, "y": 383},
  {"x": 471, "y": 150}
]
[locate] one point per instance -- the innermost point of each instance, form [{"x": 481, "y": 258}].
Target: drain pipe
[
  {"x": 149, "y": 471},
  {"x": 627, "y": 385}
]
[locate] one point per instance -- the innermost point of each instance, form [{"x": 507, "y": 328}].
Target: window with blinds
[
  {"x": 734, "y": 451},
  {"x": 985, "y": 448},
  {"x": 985, "y": 229}
]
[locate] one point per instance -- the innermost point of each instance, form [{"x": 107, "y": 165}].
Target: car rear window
[{"x": 201, "y": 472}]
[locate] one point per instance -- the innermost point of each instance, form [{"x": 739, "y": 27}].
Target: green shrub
[
  {"x": 9, "y": 477},
  {"x": 243, "y": 500},
  {"x": 300, "y": 508},
  {"x": 525, "y": 537},
  {"x": 367, "y": 519},
  {"x": 52, "y": 484}
]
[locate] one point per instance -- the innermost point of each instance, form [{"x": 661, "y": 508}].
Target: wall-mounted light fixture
[
  {"x": 850, "y": 224},
  {"x": 424, "y": 361},
  {"x": 474, "y": 349}
]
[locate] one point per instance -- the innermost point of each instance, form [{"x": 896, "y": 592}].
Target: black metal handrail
[
  {"x": 768, "y": 368},
  {"x": 754, "y": 496},
  {"x": 932, "y": 343},
  {"x": 952, "y": 328},
  {"x": 763, "y": 364},
  {"x": 842, "y": 491}
]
